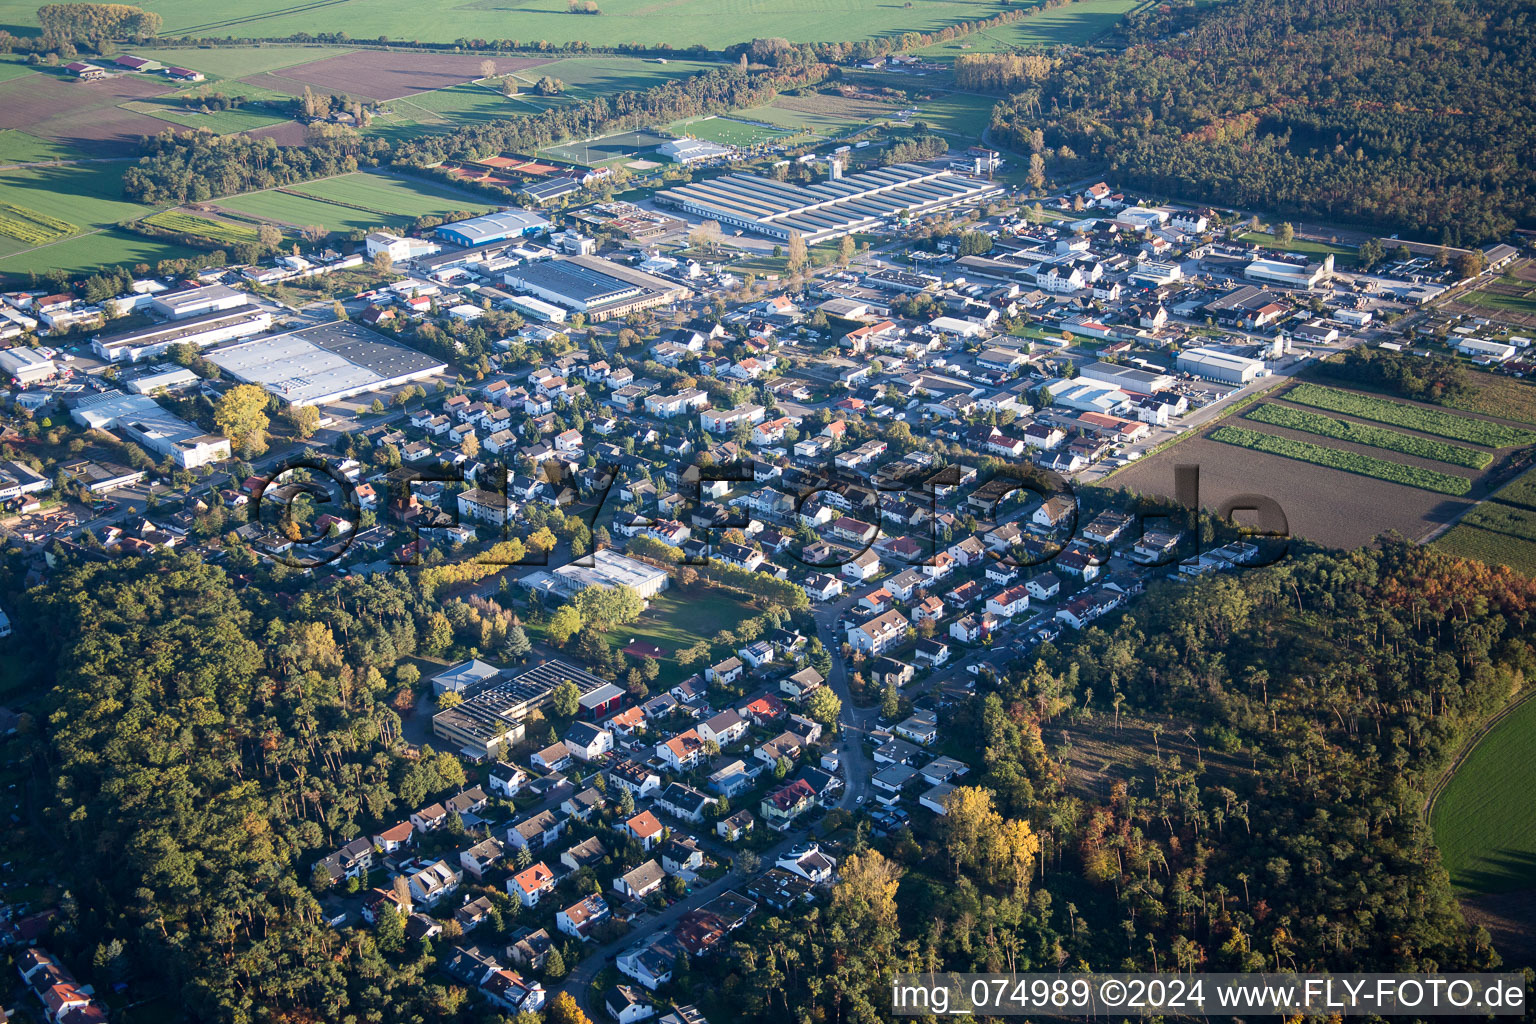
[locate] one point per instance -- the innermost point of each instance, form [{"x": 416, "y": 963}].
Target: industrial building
[
  {"x": 239, "y": 321},
  {"x": 489, "y": 722},
  {"x": 550, "y": 189},
  {"x": 687, "y": 151},
  {"x": 494, "y": 227},
  {"x": 536, "y": 309},
  {"x": 828, "y": 209},
  {"x": 399, "y": 249},
  {"x": 598, "y": 288},
  {"x": 160, "y": 377},
  {"x": 1127, "y": 378},
  {"x": 1224, "y": 367},
  {"x": 24, "y": 366},
  {"x": 608, "y": 569},
  {"x": 1291, "y": 275},
  {"x": 143, "y": 420},
  {"x": 326, "y": 363},
  {"x": 208, "y": 298}
]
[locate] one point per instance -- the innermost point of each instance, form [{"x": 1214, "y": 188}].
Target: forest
[{"x": 1414, "y": 115}]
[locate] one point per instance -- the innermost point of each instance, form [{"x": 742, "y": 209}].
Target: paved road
[
  {"x": 853, "y": 722},
  {"x": 579, "y": 981}
]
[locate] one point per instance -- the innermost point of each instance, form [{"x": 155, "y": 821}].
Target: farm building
[
  {"x": 1224, "y": 367},
  {"x": 87, "y": 72},
  {"x": 591, "y": 285},
  {"x": 828, "y": 209},
  {"x": 493, "y": 227},
  {"x": 184, "y": 74},
  {"x": 687, "y": 151}
]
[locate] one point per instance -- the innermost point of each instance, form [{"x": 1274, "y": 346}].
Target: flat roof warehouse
[
  {"x": 325, "y": 363},
  {"x": 829, "y": 208}
]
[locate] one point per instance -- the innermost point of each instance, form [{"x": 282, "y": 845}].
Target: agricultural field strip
[
  {"x": 1374, "y": 437},
  {"x": 1349, "y": 462},
  {"x": 1401, "y": 414},
  {"x": 32, "y": 227},
  {"x": 204, "y": 227}
]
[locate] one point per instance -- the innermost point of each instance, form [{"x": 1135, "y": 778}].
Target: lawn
[
  {"x": 1413, "y": 417},
  {"x": 17, "y": 147},
  {"x": 1343, "y": 255},
  {"x": 1349, "y": 462},
  {"x": 1375, "y": 437},
  {"x": 679, "y": 618},
  {"x": 1071, "y": 25},
  {"x": 682, "y": 23},
  {"x": 86, "y": 196},
  {"x": 1482, "y": 820},
  {"x": 815, "y": 122},
  {"x": 458, "y": 104}
]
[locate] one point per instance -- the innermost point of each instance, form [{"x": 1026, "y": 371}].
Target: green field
[
  {"x": 1375, "y": 437},
  {"x": 1349, "y": 462},
  {"x": 1523, "y": 301},
  {"x": 222, "y": 122},
  {"x": 589, "y": 77},
  {"x": 390, "y": 196},
  {"x": 203, "y": 227},
  {"x": 241, "y": 61},
  {"x": 1482, "y": 820},
  {"x": 1413, "y": 417},
  {"x": 682, "y": 23},
  {"x": 1500, "y": 530},
  {"x": 592, "y": 152},
  {"x": 823, "y": 124},
  {"x": 390, "y": 202},
  {"x": 17, "y": 147},
  {"x": 958, "y": 113},
  {"x": 14, "y": 67},
  {"x": 1073, "y": 25},
  {"x": 88, "y": 196},
  {"x": 83, "y": 254},
  {"x": 1343, "y": 255}
]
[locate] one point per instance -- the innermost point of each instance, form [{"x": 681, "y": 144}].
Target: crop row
[
  {"x": 1375, "y": 437},
  {"x": 202, "y": 227},
  {"x": 32, "y": 227},
  {"x": 1413, "y": 417},
  {"x": 1349, "y": 462}
]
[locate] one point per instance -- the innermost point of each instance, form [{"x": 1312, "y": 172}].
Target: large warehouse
[
  {"x": 493, "y": 227},
  {"x": 315, "y": 365},
  {"x": 486, "y": 724},
  {"x": 598, "y": 288},
  {"x": 1224, "y": 367},
  {"x": 828, "y": 209},
  {"x": 145, "y": 421},
  {"x": 202, "y": 330}
]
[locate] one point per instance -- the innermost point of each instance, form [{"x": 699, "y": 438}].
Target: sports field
[
  {"x": 591, "y": 152},
  {"x": 683, "y": 23},
  {"x": 1482, "y": 820},
  {"x": 727, "y": 131}
]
